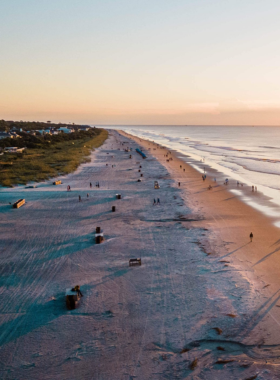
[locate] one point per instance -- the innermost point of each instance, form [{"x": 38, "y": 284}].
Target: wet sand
[{"x": 196, "y": 308}]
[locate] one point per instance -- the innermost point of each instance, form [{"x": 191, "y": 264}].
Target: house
[
  {"x": 15, "y": 135},
  {"x": 66, "y": 130},
  {"x": 5, "y": 135},
  {"x": 13, "y": 149},
  {"x": 84, "y": 128}
]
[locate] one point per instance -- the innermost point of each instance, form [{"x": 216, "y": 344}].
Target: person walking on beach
[
  {"x": 87, "y": 195},
  {"x": 158, "y": 201},
  {"x": 90, "y": 185},
  {"x": 80, "y": 199},
  {"x": 179, "y": 184},
  {"x": 251, "y": 236},
  {"x": 155, "y": 202},
  {"x": 77, "y": 289}
]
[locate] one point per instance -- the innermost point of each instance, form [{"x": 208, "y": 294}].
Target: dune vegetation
[{"x": 48, "y": 156}]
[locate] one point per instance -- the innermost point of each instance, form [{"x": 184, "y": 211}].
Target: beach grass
[{"x": 39, "y": 164}]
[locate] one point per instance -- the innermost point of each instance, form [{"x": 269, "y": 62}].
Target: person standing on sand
[
  {"x": 251, "y": 236},
  {"x": 179, "y": 184},
  {"x": 90, "y": 185},
  {"x": 158, "y": 201},
  {"x": 154, "y": 201},
  {"x": 80, "y": 199}
]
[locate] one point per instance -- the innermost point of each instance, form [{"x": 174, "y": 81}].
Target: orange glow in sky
[{"x": 141, "y": 62}]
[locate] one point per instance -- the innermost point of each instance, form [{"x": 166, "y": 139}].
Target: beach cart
[
  {"x": 72, "y": 298},
  {"x": 156, "y": 185}
]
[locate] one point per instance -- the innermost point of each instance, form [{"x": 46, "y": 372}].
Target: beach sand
[{"x": 198, "y": 307}]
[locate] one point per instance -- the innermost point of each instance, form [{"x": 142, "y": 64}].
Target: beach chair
[
  {"x": 133, "y": 262},
  {"x": 19, "y": 203}
]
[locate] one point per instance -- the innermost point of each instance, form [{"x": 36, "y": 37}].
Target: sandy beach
[{"x": 204, "y": 304}]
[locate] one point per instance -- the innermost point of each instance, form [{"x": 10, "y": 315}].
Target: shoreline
[
  {"x": 181, "y": 305},
  {"x": 230, "y": 222}
]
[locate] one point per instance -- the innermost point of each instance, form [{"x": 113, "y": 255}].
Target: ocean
[{"x": 250, "y": 155}]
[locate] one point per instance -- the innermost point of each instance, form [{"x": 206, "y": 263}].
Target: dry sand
[{"x": 200, "y": 293}]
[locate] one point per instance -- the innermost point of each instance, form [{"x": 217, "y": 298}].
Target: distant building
[
  {"x": 66, "y": 130},
  {"x": 13, "y": 149},
  {"x": 5, "y": 135},
  {"x": 15, "y": 135}
]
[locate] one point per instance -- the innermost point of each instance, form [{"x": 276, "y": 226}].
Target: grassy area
[{"x": 38, "y": 164}]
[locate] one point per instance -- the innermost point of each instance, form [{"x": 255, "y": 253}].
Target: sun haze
[{"x": 141, "y": 62}]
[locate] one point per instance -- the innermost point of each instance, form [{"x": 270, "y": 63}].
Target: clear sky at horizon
[{"x": 141, "y": 62}]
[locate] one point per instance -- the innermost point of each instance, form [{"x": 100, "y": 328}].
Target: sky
[{"x": 168, "y": 62}]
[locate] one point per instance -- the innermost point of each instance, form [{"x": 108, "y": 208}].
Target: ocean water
[{"x": 250, "y": 155}]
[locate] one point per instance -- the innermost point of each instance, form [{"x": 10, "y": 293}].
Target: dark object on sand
[
  {"x": 99, "y": 238},
  {"x": 140, "y": 167},
  {"x": 184, "y": 350},
  {"x": 139, "y": 170},
  {"x": 251, "y": 236},
  {"x": 19, "y": 203},
  {"x": 133, "y": 262},
  {"x": 139, "y": 180},
  {"x": 141, "y": 153},
  {"x": 193, "y": 364},
  {"x": 72, "y": 296},
  {"x": 113, "y": 208},
  {"x": 98, "y": 230},
  {"x": 218, "y": 330},
  {"x": 130, "y": 156},
  {"x": 156, "y": 185},
  {"x": 221, "y": 361},
  {"x": 118, "y": 196},
  {"x": 57, "y": 183},
  {"x": 141, "y": 174}
]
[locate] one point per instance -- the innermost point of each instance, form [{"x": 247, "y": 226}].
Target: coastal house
[
  {"x": 84, "y": 128},
  {"x": 13, "y": 149},
  {"x": 66, "y": 130},
  {"x": 15, "y": 135},
  {"x": 5, "y": 135}
]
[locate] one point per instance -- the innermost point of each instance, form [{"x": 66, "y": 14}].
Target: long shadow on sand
[
  {"x": 258, "y": 315},
  {"x": 39, "y": 315},
  {"x": 230, "y": 253},
  {"x": 266, "y": 257}
]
